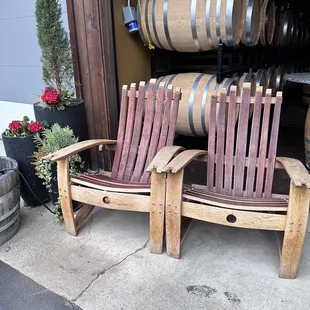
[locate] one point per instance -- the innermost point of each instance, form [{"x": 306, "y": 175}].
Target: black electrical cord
[{"x": 2, "y": 170}]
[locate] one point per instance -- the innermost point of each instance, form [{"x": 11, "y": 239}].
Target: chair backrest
[
  {"x": 147, "y": 124},
  {"x": 240, "y": 164}
]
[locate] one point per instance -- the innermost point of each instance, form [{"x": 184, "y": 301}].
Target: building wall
[
  {"x": 20, "y": 67},
  {"x": 133, "y": 58}
]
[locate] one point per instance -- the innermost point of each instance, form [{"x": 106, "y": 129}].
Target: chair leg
[
  {"x": 65, "y": 195},
  {"x": 295, "y": 231},
  {"x": 157, "y": 214},
  {"x": 174, "y": 213}
]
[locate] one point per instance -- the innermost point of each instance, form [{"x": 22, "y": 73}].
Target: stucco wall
[{"x": 20, "y": 67}]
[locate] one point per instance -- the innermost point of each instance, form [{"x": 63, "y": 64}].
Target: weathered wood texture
[
  {"x": 91, "y": 33},
  {"x": 246, "y": 169}
]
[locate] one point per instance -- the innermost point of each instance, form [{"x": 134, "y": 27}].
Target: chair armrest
[
  {"x": 76, "y": 148},
  {"x": 163, "y": 157},
  {"x": 296, "y": 171},
  {"x": 182, "y": 160}
]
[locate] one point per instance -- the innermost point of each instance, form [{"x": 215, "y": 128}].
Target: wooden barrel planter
[
  {"x": 268, "y": 22},
  {"x": 253, "y": 22},
  {"x": 194, "y": 109},
  {"x": 195, "y": 26},
  {"x": 9, "y": 199},
  {"x": 261, "y": 79}
]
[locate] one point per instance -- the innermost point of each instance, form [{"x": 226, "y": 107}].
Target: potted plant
[
  {"x": 56, "y": 103},
  {"x": 18, "y": 140},
  {"x": 51, "y": 140}
]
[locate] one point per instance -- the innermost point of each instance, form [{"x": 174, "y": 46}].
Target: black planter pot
[
  {"x": 53, "y": 193},
  {"x": 73, "y": 116},
  {"x": 21, "y": 149}
]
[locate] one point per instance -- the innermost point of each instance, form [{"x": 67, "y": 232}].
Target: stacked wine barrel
[{"x": 199, "y": 25}]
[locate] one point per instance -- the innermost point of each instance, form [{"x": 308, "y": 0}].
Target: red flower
[
  {"x": 15, "y": 125},
  {"x": 50, "y": 95},
  {"x": 34, "y": 127}
]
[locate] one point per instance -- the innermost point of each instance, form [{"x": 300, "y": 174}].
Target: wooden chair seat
[
  {"x": 103, "y": 182},
  {"x": 234, "y": 202}
]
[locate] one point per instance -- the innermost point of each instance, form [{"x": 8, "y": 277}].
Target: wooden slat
[
  {"x": 273, "y": 146},
  {"x": 65, "y": 195},
  {"x": 242, "y": 140},
  {"x": 251, "y": 220},
  {"x": 136, "y": 132},
  {"x": 165, "y": 124},
  {"x": 174, "y": 115},
  {"x": 173, "y": 213},
  {"x": 295, "y": 231},
  {"x": 121, "y": 132},
  {"x": 108, "y": 200},
  {"x": 82, "y": 214},
  {"x": 128, "y": 132},
  {"x": 254, "y": 143},
  {"x": 155, "y": 131},
  {"x": 157, "y": 212},
  {"x": 211, "y": 143},
  {"x": 230, "y": 139},
  {"x": 146, "y": 132},
  {"x": 220, "y": 144},
  {"x": 263, "y": 146}
]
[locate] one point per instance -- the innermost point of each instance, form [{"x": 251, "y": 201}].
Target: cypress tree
[{"x": 56, "y": 57}]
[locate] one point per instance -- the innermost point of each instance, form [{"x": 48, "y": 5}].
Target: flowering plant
[
  {"x": 52, "y": 98},
  {"x": 23, "y": 128}
]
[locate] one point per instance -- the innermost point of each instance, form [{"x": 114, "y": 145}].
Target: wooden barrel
[
  {"x": 280, "y": 81},
  {"x": 306, "y": 94},
  {"x": 9, "y": 199},
  {"x": 194, "y": 109},
  {"x": 268, "y": 22},
  {"x": 248, "y": 77},
  {"x": 261, "y": 79},
  {"x": 272, "y": 78},
  {"x": 191, "y": 25},
  {"x": 252, "y": 23}
]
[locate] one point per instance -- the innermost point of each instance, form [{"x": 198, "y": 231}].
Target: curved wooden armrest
[
  {"x": 296, "y": 171},
  {"x": 76, "y": 148},
  {"x": 163, "y": 157},
  {"x": 182, "y": 160}
]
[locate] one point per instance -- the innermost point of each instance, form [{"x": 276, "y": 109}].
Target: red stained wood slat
[
  {"x": 128, "y": 131},
  {"x": 136, "y": 132},
  {"x": 220, "y": 144},
  {"x": 211, "y": 143},
  {"x": 230, "y": 140},
  {"x": 166, "y": 121},
  {"x": 121, "y": 132},
  {"x": 253, "y": 152},
  {"x": 263, "y": 146},
  {"x": 156, "y": 130},
  {"x": 242, "y": 140},
  {"x": 273, "y": 146},
  {"x": 174, "y": 114},
  {"x": 146, "y": 132}
]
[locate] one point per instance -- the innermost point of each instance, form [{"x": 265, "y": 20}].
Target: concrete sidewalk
[{"x": 108, "y": 266}]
